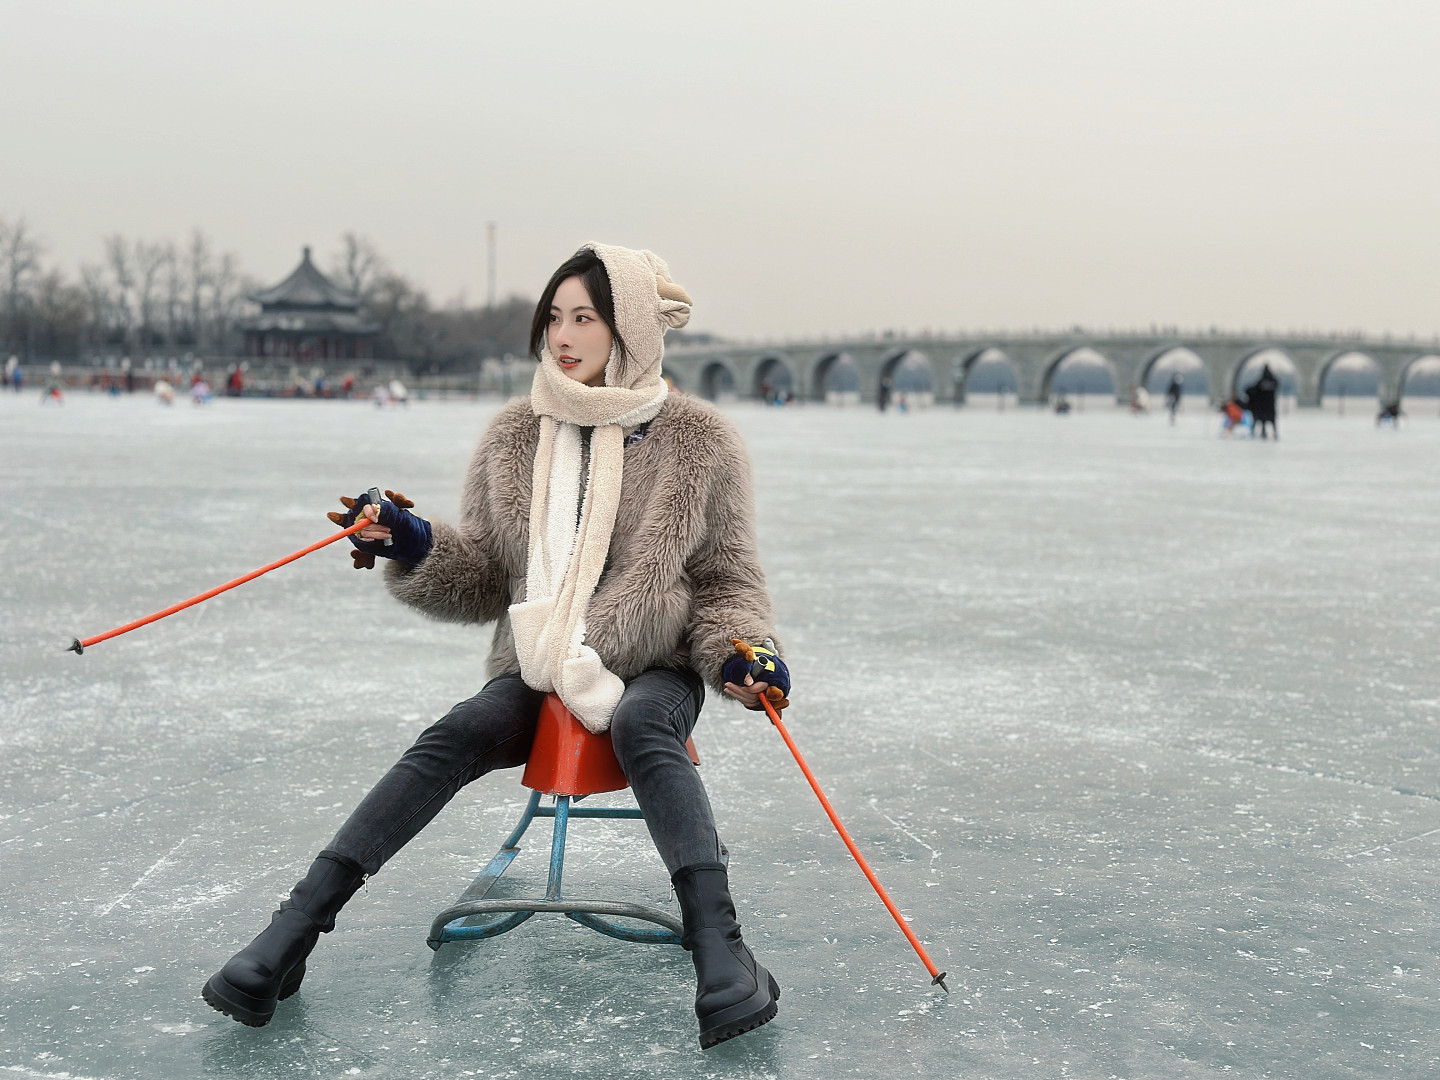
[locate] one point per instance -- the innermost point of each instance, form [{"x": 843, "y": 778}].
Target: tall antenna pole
[{"x": 490, "y": 264}]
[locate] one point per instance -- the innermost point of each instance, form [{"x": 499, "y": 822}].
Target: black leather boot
[
  {"x": 733, "y": 993},
  {"x": 270, "y": 968}
]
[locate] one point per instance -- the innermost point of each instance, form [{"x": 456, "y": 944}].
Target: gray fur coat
[{"x": 683, "y": 577}]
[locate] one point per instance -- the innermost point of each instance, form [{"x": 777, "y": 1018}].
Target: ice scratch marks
[
  {"x": 875, "y": 806},
  {"x": 1296, "y": 770},
  {"x": 269, "y": 661},
  {"x": 101, "y": 910},
  {"x": 1392, "y": 843},
  {"x": 210, "y": 896},
  {"x": 929, "y": 754}
]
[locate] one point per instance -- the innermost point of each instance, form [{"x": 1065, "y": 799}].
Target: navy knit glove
[
  {"x": 411, "y": 538},
  {"x": 762, "y": 664}
]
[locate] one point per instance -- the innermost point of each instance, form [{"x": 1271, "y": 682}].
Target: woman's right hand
[{"x": 410, "y": 537}]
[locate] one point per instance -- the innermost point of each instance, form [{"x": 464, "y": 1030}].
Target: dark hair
[{"x": 586, "y": 266}]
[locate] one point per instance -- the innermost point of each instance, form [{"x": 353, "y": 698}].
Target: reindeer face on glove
[
  {"x": 762, "y": 664},
  {"x": 410, "y": 538}
]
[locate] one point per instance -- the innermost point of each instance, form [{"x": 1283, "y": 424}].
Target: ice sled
[{"x": 568, "y": 762}]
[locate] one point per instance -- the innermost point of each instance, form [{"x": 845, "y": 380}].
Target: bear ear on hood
[
  {"x": 674, "y": 306},
  {"x": 668, "y": 290}
]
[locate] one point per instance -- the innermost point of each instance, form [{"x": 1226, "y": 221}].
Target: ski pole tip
[
  {"x": 940, "y": 980},
  {"x": 75, "y": 647}
]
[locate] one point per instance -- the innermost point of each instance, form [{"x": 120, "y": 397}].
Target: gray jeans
[{"x": 494, "y": 729}]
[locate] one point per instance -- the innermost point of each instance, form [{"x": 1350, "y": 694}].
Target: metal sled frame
[{"x": 472, "y": 916}]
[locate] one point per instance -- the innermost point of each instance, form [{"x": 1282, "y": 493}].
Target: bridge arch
[
  {"x": 1350, "y": 374},
  {"x": 911, "y": 376},
  {"x": 835, "y": 379},
  {"x": 1078, "y": 370},
  {"x": 1421, "y": 376},
  {"x": 910, "y": 363},
  {"x": 717, "y": 381},
  {"x": 1247, "y": 372},
  {"x": 987, "y": 371},
  {"x": 1155, "y": 373},
  {"x": 773, "y": 379}
]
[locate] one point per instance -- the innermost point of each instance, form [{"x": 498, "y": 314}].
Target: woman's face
[{"x": 578, "y": 338}]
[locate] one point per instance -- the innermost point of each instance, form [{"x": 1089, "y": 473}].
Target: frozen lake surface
[{"x": 1137, "y": 724}]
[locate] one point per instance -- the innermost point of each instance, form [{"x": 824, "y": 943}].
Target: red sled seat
[{"x": 567, "y": 761}]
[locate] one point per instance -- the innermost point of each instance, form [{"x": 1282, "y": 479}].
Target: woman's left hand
[{"x": 740, "y": 673}]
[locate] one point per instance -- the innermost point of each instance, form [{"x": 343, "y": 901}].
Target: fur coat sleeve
[
  {"x": 730, "y": 598},
  {"x": 468, "y": 575}
]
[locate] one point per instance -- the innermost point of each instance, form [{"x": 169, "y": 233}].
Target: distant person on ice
[
  {"x": 1139, "y": 399},
  {"x": 54, "y": 392},
  {"x": 626, "y": 616},
  {"x": 1173, "y": 393},
  {"x": 1260, "y": 400}
]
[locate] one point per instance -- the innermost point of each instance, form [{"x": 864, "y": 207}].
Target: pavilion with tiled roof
[{"x": 309, "y": 317}]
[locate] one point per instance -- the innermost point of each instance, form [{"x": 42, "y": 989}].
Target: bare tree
[
  {"x": 228, "y": 288},
  {"x": 149, "y": 262},
  {"x": 359, "y": 266},
  {"x": 20, "y": 253},
  {"x": 214, "y": 293},
  {"x": 172, "y": 285},
  {"x": 99, "y": 303},
  {"x": 121, "y": 288},
  {"x": 393, "y": 302},
  {"x": 199, "y": 273},
  {"x": 61, "y": 312}
]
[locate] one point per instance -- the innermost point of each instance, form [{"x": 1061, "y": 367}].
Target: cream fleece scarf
[{"x": 566, "y": 558}]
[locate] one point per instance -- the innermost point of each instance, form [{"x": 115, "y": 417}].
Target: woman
[{"x": 607, "y": 529}]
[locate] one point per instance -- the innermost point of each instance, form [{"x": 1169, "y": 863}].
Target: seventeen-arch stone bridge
[{"x": 709, "y": 370}]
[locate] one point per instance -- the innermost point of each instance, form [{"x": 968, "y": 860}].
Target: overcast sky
[{"x": 805, "y": 168}]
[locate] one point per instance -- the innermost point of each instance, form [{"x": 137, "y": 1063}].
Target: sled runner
[{"x": 568, "y": 762}]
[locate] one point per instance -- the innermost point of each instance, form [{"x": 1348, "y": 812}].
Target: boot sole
[
  {"x": 221, "y": 995},
  {"x": 755, "y": 1011}
]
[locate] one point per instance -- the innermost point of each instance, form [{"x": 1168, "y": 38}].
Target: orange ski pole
[
  {"x": 79, "y": 646},
  {"x": 938, "y": 975}
]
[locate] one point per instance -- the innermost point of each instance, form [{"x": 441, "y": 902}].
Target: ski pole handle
[{"x": 374, "y": 495}]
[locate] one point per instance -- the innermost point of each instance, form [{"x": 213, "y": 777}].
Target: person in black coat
[
  {"x": 1173, "y": 393},
  {"x": 1260, "y": 400}
]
